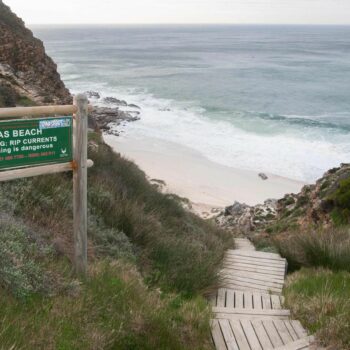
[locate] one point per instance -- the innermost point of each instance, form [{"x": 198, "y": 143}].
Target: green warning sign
[{"x": 29, "y": 142}]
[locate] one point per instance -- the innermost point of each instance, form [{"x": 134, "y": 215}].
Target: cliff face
[{"x": 25, "y": 69}]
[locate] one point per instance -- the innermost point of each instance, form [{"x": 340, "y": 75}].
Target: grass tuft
[
  {"x": 324, "y": 248},
  {"x": 321, "y": 300}
]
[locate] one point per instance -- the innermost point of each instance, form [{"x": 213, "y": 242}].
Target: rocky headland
[
  {"x": 324, "y": 204},
  {"x": 25, "y": 69},
  {"x": 28, "y": 76}
]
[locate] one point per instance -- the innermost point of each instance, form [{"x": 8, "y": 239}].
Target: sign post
[
  {"x": 32, "y": 147},
  {"x": 80, "y": 184}
]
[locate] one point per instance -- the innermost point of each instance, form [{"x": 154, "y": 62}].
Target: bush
[
  {"x": 19, "y": 272},
  {"x": 327, "y": 248},
  {"x": 321, "y": 300},
  {"x": 112, "y": 310},
  {"x": 341, "y": 200},
  {"x": 174, "y": 248}
]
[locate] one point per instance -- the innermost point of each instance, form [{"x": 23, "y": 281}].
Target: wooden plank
[
  {"x": 228, "y": 335},
  {"x": 238, "y": 299},
  {"x": 252, "y": 275},
  {"x": 301, "y": 344},
  {"x": 228, "y": 316},
  {"x": 248, "y": 300},
  {"x": 38, "y": 170},
  {"x": 230, "y": 298},
  {"x": 272, "y": 333},
  {"x": 80, "y": 185},
  {"x": 256, "y": 254},
  {"x": 258, "y": 275},
  {"x": 235, "y": 278},
  {"x": 39, "y": 111},
  {"x": 270, "y": 271},
  {"x": 221, "y": 297},
  {"x": 291, "y": 330},
  {"x": 253, "y": 255},
  {"x": 266, "y": 300},
  {"x": 243, "y": 286},
  {"x": 283, "y": 332},
  {"x": 262, "y": 335},
  {"x": 241, "y": 266},
  {"x": 250, "y": 335},
  {"x": 255, "y": 262},
  {"x": 299, "y": 329},
  {"x": 20, "y": 112},
  {"x": 257, "y": 301},
  {"x": 275, "y": 302},
  {"x": 258, "y": 312},
  {"x": 266, "y": 261},
  {"x": 239, "y": 335},
  {"x": 218, "y": 338},
  {"x": 254, "y": 259}
]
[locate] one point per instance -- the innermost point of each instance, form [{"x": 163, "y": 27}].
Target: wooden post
[{"x": 80, "y": 185}]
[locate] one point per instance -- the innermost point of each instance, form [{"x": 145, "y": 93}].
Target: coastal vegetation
[
  {"x": 320, "y": 298},
  {"x": 318, "y": 284},
  {"x": 151, "y": 261}
]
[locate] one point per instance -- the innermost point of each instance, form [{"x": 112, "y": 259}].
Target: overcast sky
[{"x": 182, "y": 11}]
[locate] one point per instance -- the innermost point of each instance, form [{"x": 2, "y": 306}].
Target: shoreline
[{"x": 209, "y": 186}]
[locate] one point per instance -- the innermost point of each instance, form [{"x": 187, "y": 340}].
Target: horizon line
[{"x": 189, "y": 24}]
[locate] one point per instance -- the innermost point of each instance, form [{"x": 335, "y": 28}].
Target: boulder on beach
[{"x": 263, "y": 176}]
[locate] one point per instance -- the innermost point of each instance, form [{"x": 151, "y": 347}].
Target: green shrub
[
  {"x": 19, "y": 272},
  {"x": 326, "y": 248},
  {"x": 321, "y": 300},
  {"x": 341, "y": 199},
  {"x": 111, "y": 310}
]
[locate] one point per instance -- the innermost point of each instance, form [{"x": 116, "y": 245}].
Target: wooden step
[
  {"x": 244, "y": 299},
  {"x": 236, "y": 313},
  {"x": 301, "y": 344},
  {"x": 257, "y": 335}
]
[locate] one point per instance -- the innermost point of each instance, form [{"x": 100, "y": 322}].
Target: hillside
[
  {"x": 150, "y": 261},
  {"x": 26, "y": 72}
]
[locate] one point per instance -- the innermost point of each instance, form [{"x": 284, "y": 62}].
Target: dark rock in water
[
  {"x": 263, "y": 176},
  {"x": 92, "y": 94},
  {"x": 105, "y": 117},
  {"x": 113, "y": 100},
  {"x": 134, "y": 106}
]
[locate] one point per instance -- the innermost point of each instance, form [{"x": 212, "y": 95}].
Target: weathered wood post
[{"x": 80, "y": 184}]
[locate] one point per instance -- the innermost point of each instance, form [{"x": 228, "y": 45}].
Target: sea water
[{"x": 265, "y": 98}]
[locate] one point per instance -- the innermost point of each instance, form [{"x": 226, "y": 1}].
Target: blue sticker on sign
[{"x": 54, "y": 123}]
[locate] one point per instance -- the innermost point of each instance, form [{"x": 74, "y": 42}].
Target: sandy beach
[{"x": 205, "y": 183}]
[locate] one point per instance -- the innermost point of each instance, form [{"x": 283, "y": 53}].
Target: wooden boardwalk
[{"x": 248, "y": 306}]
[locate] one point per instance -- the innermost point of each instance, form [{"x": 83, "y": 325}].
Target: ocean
[{"x": 271, "y": 99}]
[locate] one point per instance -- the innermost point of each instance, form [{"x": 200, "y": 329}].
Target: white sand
[{"x": 189, "y": 174}]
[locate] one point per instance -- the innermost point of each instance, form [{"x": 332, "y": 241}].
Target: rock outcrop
[
  {"x": 325, "y": 203},
  {"x": 108, "y": 118},
  {"x": 25, "y": 68}
]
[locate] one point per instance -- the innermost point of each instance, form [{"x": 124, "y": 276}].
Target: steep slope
[{"x": 25, "y": 69}]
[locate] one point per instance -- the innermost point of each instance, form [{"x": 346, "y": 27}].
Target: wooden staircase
[{"x": 248, "y": 306}]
